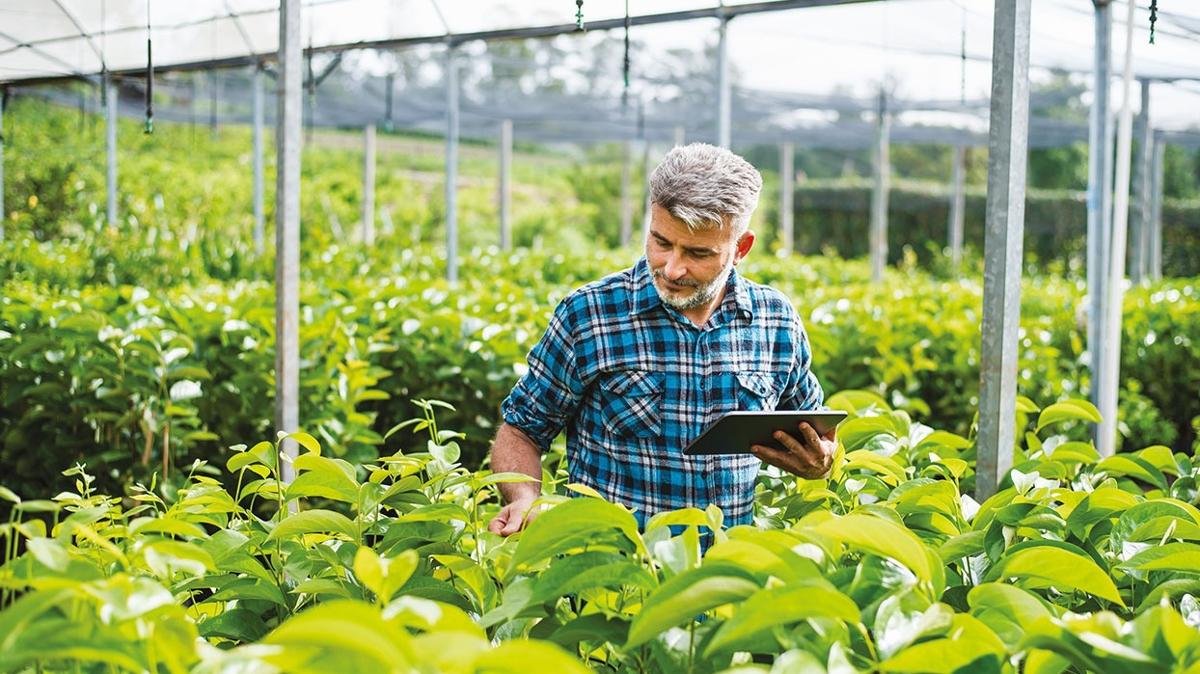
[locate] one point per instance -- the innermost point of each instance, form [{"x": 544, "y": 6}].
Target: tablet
[{"x": 735, "y": 432}]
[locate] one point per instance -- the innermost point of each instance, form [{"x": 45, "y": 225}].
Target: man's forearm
[{"x": 514, "y": 452}]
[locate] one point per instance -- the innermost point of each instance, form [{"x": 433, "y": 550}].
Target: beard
[{"x": 703, "y": 293}]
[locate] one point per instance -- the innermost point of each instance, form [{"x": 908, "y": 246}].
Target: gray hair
[{"x": 703, "y": 185}]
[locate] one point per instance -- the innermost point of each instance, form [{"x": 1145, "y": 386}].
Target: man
[{"x": 637, "y": 364}]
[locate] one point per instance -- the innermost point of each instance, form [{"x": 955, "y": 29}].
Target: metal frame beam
[
  {"x": 2, "y": 212},
  {"x": 958, "y": 203},
  {"x": 787, "y": 193},
  {"x": 879, "y": 193},
  {"x": 111, "y": 114},
  {"x": 724, "y": 87},
  {"x": 288, "y": 140},
  {"x": 1106, "y": 434},
  {"x": 259, "y": 162},
  {"x": 452, "y": 162},
  {"x": 1156, "y": 199},
  {"x": 1140, "y": 217},
  {"x": 504, "y": 189},
  {"x": 626, "y": 193},
  {"x": 1007, "y": 156},
  {"x": 368, "y": 202},
  {"x": 1099, "y": 187}
]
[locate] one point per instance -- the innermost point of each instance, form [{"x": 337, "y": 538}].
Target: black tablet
[{"x": 736, "y": 432}]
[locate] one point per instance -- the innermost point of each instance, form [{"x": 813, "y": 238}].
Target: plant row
[{"x": 1079, "y": 563}]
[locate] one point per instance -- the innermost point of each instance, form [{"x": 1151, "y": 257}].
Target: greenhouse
[{"x": 582, "y": 335}]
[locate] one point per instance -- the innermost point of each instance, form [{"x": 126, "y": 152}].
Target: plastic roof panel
[{"x": 48, "y": 38}]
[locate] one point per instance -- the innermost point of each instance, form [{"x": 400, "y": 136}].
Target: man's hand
[
  {"x": 808, "y": 455},
  {"x": 513, "y": 517}
]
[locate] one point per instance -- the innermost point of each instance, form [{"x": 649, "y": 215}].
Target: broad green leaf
[
  {"x": 50, "y": 552},
  {"x": 682, "y": 517},
  {"x": 312, "y": 522},
  {"x": 453, "y": 651},
  {"x": 1099, "y": 505},
  {"x": 576, "y": 523},
  {"x": 250, "y": 588},
  {"x": 962, "y": 545},
  {"x": 428, "y": 615},
  {"x": 1008, "y": 610},
  {"x": 238, "y": 624},
  {"x": 517, "y": 656},
  {"x": 1132, "y": 466},
  {"x": 784, "y": 605},
  {"x": 165, "y": 558},
  {"x": 321, "y": 476},
  {"x": 765, "y": 552},
  {"x": 505, "y": 478},
  {"x": 343, "y": 631},
  {"x": 681, "y": 598},
  {"x": 1068, "y": 410},
  {"x": 586, "y": 571},
  {"x": 1058, "y": 567},
  {"x": 855, "y": 402},
  {"x": 1172, "y": 557},
  {"x": 891, "y": 472},
  {"x": 166, "y": 525},
  {"x": 382, "y": 575},
  {"x": 880, "y": 537},
  {"x": 306, "y": 441},
  {"x": 969, "y": 640},
  {"x": 943, "y": 439}
]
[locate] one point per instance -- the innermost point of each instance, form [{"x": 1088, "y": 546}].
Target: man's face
[{"x": 690, "y": 268}]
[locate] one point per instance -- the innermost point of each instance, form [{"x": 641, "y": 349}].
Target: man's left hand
[{"x": 805, "y": 454}]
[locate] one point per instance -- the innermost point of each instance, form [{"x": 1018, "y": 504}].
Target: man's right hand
[{"x": 513, "y": 517}]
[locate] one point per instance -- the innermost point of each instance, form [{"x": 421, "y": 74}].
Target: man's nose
[{"x": 675, "y": 269}]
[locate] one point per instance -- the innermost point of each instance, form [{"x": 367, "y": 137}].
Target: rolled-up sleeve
[
  {"x": 802, "y": 391},
  {"x": 548, "y": 395}
]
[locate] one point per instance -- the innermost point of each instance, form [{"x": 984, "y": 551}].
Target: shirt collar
[{"x": 645, "y": 296}]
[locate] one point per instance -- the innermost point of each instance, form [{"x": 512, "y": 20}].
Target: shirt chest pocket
[
  {"x": 631, "y": 402},
  {"x": 756, "y": 391}
]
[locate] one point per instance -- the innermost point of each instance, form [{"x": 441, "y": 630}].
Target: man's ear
[{"x": 744, "y": 244}]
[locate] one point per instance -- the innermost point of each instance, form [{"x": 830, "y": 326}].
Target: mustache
[{"x": 690, "y": 284}]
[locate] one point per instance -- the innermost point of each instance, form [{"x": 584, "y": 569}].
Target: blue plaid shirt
[{"x": 633, "y": 382}]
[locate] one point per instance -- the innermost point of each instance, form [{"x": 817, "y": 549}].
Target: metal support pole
[
  {"x": 505, "y": 190},
  {"x": 389, "y": 123},
  {"x": 1156, "y": 199},
  {"x": 1008, "y": 138},
  {"x": 879, "y": 195},
  {"x": 680, "y": 135},
  {"x": 288, "y": 141},
  {"x": 1139, "y": 235},
  {"x": 213, "y": 83},
  {"x": 259, "y": 209},
  {"x": 1097, "y": 192},
  {"x": 958, "y": 202},
  {"x": 626, "y": 193},
  {"x": 646, "y": 169},
  {"x": 2, "y": 213},
  {"x": 368, "y": 202},
  {"x": 110, "y": 124},
  {"x": 452, "y": 163},
  {"x": 1106, "y": 434},
  {"x": 787, "y": 192},
  {"x": 724, "y": 91}
]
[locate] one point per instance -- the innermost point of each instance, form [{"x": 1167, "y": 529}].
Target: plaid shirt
[{"x": 633, "y": 382}]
